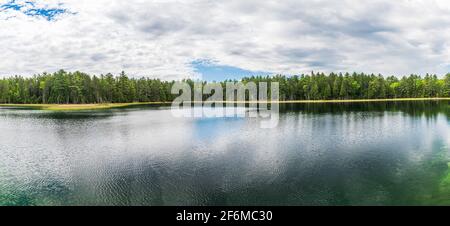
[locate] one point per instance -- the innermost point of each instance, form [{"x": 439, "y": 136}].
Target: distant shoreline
[
  {"x": 78, "y": 107},
  {"x": 339, "y": 101}
]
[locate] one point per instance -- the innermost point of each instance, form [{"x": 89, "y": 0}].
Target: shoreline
[
  {"x": 79, "y": 107},
  {"x": 337, "y": 101}
]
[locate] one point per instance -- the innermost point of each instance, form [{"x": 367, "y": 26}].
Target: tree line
[
  {"x": 318, "y": 86},
  {"x": 81, "y": 88}
]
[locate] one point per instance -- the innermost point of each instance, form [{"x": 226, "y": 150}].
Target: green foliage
[
  {"x": 446, "y": 89},
  {"x": 80, "y": 88}
]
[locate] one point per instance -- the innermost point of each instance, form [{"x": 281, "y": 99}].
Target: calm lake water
[{"x": 320, "y": 154}]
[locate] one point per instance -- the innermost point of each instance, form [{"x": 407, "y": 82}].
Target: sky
[{"x": 216, "y": 40}]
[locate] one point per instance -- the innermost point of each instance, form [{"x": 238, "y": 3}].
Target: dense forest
[{"x": 76, "y": 87}]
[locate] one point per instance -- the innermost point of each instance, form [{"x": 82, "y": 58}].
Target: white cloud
[{"x": 162, "y": 38}]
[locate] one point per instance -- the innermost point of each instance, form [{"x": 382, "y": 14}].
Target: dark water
[{"x": 320, "y": 154}]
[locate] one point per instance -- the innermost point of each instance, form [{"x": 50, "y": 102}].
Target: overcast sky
[{"x": 176, "y": 39}]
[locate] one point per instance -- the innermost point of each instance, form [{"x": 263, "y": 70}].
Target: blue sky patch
[
  {"x": 29, "y": 8},
  {"x": 215, "y": 72},
  {"x": 11, "y": 5}
]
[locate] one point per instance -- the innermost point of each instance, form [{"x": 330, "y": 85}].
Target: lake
[{"x": 395, "y": 153}]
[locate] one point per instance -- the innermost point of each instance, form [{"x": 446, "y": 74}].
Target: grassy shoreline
[{"x": 78, "y": 107}]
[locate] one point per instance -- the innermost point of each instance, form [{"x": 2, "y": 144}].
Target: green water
[{"x": 320, "y": 154}]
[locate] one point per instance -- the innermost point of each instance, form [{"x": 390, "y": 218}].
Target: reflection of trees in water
[{"x": 412, "y": 108}]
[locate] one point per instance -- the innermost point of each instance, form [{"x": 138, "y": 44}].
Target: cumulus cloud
[{"x": 163, "y": 38}]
